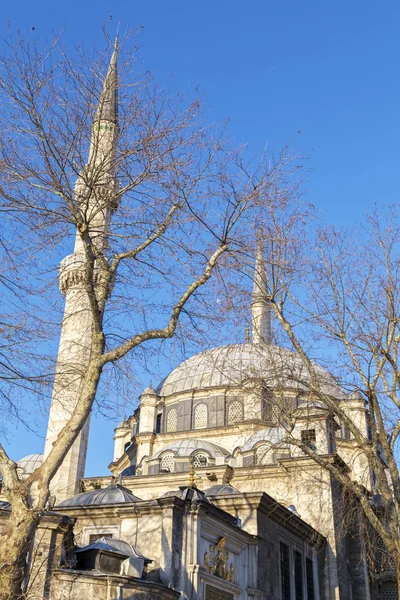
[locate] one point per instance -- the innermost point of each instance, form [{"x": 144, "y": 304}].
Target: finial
[
  {"x": 260, "y": 308},
  {"x": 151, "y": 384},
  {"x": 247, "y": 333}
]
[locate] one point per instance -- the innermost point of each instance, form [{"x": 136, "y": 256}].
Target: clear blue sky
[{"x": 330, "y": 70}]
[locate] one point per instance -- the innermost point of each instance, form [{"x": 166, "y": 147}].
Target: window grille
[
  {"x": 200, "y": 460},
  {"x": 235, "y": 412},
  {"x": 308, "y": 436},
  {"x": 263, "y": 455},
  {"x": 285, "y": 571},
  {"x": 213, "y": 593},
  {"x": 200, "y": 416},
  {"x": 389, "y": 591},
  {"x": 172, "y": 420},
  {"x": 298, "y": 575},
  {"x": 270, "y": 412},
  {"x": 167, "y": 462}
]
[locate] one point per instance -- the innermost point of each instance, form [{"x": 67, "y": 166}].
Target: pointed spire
[
  {"x": 260, "y": 309},
  {"x": 108, "y": 105}
]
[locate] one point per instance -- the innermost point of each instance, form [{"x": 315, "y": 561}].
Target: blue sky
[{"x": 330, "y": 70}]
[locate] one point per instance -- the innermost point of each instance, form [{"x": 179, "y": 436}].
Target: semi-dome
[
  {"x": 232, "y": 365},
  {"x": 30, "y": 463},
  {"x": 186, "y": 448},
  {"x": 271, "y": 435},
  {"x": 113, "y": 494},
  {"x": 222, "y": 489}
]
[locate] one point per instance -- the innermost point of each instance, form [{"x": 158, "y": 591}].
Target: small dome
[
  {"x": 232, "y": 365},
  {"x": 357, "y": 395},
  {"x": 172, "y": 494},
  {"x": 30, "y": 463},
  {"x": 185, "y": 448},
  {"x": 271, "y": 435},
  {"x": 113, "y": 494},
  {"x": 221, "y": 490},
  {"x": 115, "y": 546},
  {"x": 123, "y": 425},
  {"x": 149, "y": 391},
  {"x": 187, "y": 493}
]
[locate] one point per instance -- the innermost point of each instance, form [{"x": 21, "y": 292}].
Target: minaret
[
  {"x": 260, "y": 309},
  {"x": 95, "y": 192}
]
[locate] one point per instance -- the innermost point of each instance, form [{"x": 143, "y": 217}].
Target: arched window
[
  {"x": 167, "y": 464},
  {"x": 264, "y": 455},
  {"x": 201, "y": 459},
  {"x": 270, "y": 411},
  {"x": 235, "y": 412},
  {"x": 172, "y": 420},
  {"x": 200, "y": 416}
]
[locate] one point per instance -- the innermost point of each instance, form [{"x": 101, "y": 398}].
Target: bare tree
[
  {"x": 184, "y": 201},
  {"x": 335, "y": 293}
]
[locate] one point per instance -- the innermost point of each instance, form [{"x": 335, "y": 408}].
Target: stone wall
[{"x": 74, "y": 585}]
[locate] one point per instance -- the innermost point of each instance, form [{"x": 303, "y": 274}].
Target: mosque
[{"x": 205, "y": 499}]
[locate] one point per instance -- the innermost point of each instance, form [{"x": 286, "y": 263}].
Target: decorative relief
[{"x": 216, "y": 561}]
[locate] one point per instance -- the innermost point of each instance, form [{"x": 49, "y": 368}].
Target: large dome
[{"x": 232, "y": 365}]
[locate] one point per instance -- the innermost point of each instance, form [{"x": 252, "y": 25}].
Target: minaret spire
[
  {"x": 107, "y": 109},
  {"x": 95, "y": 191},
  {"x": 260, "y": 309}
]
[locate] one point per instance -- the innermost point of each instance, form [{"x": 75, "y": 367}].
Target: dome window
[
  {"x": 200, "y": 460},
  {"x": 172, "y": 420},
  {"x": 308, "y": 437},
  {"x": 167, "y": 464},
  {"x": 200, "y": 416},
  {"x": 235, "y": 412},
  {"x": 270, "y": 412}
]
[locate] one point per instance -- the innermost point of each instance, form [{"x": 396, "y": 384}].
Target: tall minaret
[
  {"x": 95, "y": 191},
  {"x": 260, "y": 308}
]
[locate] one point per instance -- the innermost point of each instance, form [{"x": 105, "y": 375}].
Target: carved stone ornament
[{"x": 216, "y": 561}]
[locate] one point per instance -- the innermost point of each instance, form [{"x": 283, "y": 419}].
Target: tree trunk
[{"x": 16, "y": 542}]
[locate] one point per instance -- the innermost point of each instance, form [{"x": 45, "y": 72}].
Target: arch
[
  {"x": 201, "y": 416},
  {"x": 264, "y": 455},
  {"x": 200, "y": 459},
  {"x": 167, "y": 462},
  {"x": 172, "y": 420},
  {"x": 235, "y": 412}
]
